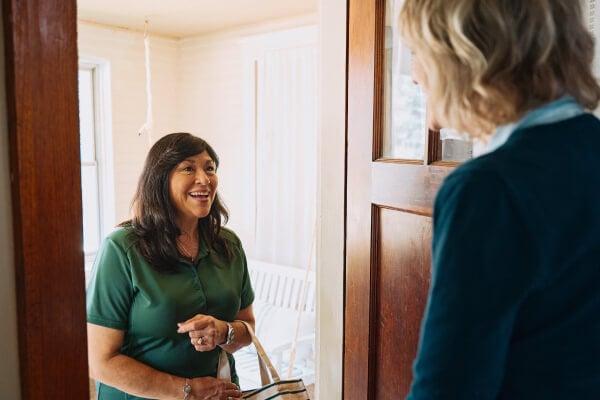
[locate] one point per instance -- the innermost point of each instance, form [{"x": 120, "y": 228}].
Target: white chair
[{"x": 280, "y": 293}]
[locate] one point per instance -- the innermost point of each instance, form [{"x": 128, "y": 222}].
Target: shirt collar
[{"x": 558, "y": 110}]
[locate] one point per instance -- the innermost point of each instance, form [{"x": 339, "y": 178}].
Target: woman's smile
[
  {"x": 193, "y": 186},
  {"x": 200, "y": 195}
]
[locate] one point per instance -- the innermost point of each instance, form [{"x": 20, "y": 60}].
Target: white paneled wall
[
  {"x": 198, "y": 86},
  {"x": 212, "y": 105},
  {"x": 218, "y": 78},
  {"x": 124, "y": 51}
]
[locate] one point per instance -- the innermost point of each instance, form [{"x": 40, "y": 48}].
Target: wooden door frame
[
  {"x": 43, "y": 123},
  {"x": 362, "y": 106}
]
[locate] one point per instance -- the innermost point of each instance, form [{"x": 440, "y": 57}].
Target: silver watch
[{"x": 230, "y": 334}]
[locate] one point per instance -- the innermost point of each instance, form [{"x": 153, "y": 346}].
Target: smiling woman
[
  {"x": 269, "y": 216},
  {"x": 42, "y": 59},
  {"x": 170, "y": 287}
]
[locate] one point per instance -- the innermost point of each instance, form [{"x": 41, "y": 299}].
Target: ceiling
[{"x": 182, "y": 18}]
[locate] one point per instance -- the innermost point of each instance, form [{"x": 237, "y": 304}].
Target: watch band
[{"x": 230, "y": 334}]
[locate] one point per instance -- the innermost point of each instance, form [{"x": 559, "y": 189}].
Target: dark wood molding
[
  {"x": 379, "y": 111},
  {"x": 413, "y": 190},
  {"x": 358, "y": 369},
  {"x": 434, "y": 146},
  {"x": 42, "y": 103}
]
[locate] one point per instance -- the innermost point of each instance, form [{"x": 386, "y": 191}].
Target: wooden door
[
  {"x": 42, "y": 111},
  {"x": 388, "y": 225}
]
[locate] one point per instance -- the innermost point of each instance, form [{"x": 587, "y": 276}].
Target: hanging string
[{"x": 146, "y": 128}]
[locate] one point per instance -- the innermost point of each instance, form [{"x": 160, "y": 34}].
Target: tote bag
[{"x": 273, "y": 387}]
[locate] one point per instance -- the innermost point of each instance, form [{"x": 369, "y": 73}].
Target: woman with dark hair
[
  {"x": 169, "y": 287},
  {"x": 514, "y": 303}
]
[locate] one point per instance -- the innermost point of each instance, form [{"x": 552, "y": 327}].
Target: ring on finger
[{"x": 199, "y": 341}]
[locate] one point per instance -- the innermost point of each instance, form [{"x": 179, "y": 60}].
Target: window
[{"x": 96, "y": 158}]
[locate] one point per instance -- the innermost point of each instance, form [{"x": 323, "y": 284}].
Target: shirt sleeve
[
  {"x": 482, "y": 269},
  {"x": 247, "y": 295},
  {"x": 110, "y": 292}
]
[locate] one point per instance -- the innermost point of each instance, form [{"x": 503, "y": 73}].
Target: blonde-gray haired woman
[{"x": 514, "y": 304}]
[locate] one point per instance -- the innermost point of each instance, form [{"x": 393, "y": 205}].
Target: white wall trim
[{"x": 330, "y": 198}]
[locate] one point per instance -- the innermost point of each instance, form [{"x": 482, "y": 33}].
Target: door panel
[
  {"x": 403, "y": 264},
  {"x": 405, "y": 186},
  {"x": 388, "y": 223}
]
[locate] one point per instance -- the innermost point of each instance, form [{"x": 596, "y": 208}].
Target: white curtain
[{"x": 285, "y": 149}]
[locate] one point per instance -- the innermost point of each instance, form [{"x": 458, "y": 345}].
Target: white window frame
[{"x": 103, "y": 141}]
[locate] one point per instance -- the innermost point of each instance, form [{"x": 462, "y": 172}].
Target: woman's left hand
[{"x": 205, "y": 331}]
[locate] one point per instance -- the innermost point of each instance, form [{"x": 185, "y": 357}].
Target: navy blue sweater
[{"x": 514, "y": 304}]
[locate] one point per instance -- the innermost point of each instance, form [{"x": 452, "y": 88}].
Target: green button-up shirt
[{"x": 126, "y": 293}]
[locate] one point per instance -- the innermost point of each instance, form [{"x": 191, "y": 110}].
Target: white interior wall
[
  {"x": 9, "y": 367},
  {"x": 211, "y": 78},
  {"x": 197, "y": 86},
  {"x": 217, "y": 78},
  {"x": 131, "y": 149},
  {"x": 205, "y": 93},
  {"x": 124, "y": 51}
]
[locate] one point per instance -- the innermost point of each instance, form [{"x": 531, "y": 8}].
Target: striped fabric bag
[{"x": 273, "y": 387}]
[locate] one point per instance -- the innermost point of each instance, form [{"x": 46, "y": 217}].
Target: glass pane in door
[{"x": 404, "y": 126}]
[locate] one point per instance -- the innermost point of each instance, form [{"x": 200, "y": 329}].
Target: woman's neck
[
  {"x": 188, "y": 241},
  {"x": 188, "y": 229}
]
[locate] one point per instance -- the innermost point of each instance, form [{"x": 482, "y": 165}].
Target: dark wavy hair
[{"x": 153, "y": 223}]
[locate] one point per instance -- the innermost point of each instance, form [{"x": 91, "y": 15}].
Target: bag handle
[{"x": 264, "y": 363}]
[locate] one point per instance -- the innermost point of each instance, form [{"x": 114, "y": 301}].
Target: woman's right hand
[{"x": 209, "y": 388}]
